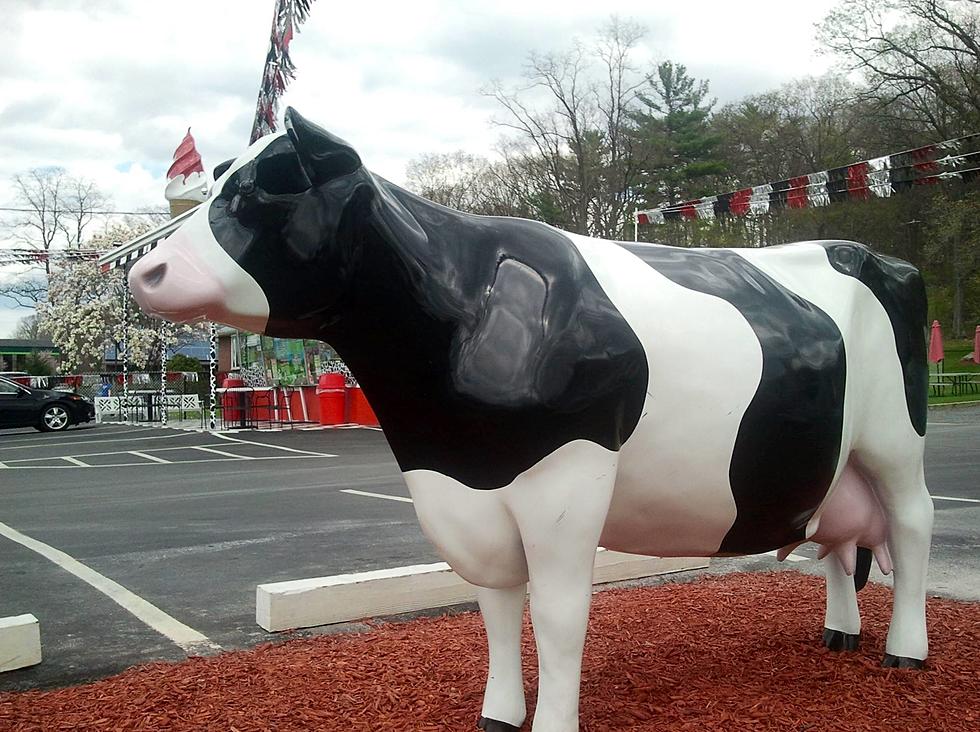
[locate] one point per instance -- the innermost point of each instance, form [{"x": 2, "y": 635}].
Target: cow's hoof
[
  {"x": 838, "y": 640},
  {"x": 492, "y": 725},
  {"x": 890, "y": 661}
]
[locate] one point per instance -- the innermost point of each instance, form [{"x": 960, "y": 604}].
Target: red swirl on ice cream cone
[{"x": 188, "y": 183}]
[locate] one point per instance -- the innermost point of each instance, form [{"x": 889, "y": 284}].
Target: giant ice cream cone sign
[{"x": 187, "y": 182}]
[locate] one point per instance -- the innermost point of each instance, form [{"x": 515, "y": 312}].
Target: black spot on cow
[
  {"x": 901, "y": 292},
  {"x": 789, "y": 440}
]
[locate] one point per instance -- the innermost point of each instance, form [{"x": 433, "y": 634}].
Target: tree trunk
[{"x": 958, "y": 331}]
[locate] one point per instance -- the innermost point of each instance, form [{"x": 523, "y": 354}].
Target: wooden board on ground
[
  {"x": 342, "y": 598},
  {"x": 20, "y": 642}
]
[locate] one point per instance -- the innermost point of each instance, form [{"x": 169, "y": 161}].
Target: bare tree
[
  {"x": 808, "y": 125},
  {"x": 57, "y": 210},
  {"x": 29, "y": 328},
  {"x": 473, "y": 184},
  {"x": 27, "y": 289},
  {"x": 81, "y": 198},
  {"x": 571, "y": 125},
  {"x": 451, "y": 179},
  {"x": 920, "y": 58}
]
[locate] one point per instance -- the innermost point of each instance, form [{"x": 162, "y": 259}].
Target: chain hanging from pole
[
  {"x": 164, "y": 330},
  {"x": 212, "y": 376},
  {"x": 125, "y": 343}
]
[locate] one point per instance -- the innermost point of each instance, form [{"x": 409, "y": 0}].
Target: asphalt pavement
[{"x": 183, "y": 525}]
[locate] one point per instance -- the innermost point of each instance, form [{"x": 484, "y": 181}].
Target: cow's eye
[
  {"x": 246, "y": 180},
  {"x": 281, "y": 173}
]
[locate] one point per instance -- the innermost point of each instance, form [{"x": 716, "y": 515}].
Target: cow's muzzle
[{"x": 186, "y": 279}]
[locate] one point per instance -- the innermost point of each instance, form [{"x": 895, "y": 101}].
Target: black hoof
[
  {"x": 890, "y": 661},
  {"x": 492, "y": 725},
  {"x": 838, "y": 640}
]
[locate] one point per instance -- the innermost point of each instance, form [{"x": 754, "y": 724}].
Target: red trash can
[
  {"x": 231, "y": 403},
  {"x": 332, "y": 393},
  {"x": 360, "y": 411}
]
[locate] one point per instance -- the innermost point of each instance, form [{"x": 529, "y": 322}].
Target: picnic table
[{"x": 958, "y": 382}]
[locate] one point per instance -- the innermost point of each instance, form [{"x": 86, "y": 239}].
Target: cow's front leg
[
  {"x": 503, "y": 616},
  {"x": 560, "y": 507}
]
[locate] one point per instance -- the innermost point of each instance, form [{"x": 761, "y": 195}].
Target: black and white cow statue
[{"x": 546, "y": 393}]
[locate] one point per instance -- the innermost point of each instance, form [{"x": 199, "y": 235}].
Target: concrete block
[
  {"x": 342, "y": 598},
  {"x": 20, "y": 642}
]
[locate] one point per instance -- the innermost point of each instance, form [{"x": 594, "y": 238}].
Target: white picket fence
[{"x": 141, "y": 407}]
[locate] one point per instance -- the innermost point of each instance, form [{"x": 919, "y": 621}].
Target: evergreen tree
[{"x": 674, "y": 126}]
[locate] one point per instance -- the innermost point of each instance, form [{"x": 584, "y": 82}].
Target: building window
[{"x": 235, "y": 353}]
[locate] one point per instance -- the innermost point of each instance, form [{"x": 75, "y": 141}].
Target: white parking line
[
  {"x": 175, "y": 462},
  {"x": 187, "y": 638},
  {"x": 119, "y": 452},
  {"x": 375, "y": 495},
  {"x": 274, "y": 447},
  {"x": 93, "y": 442},
  {"x": 154, "y": 458},
  {"x": 75, "y": 461},
  {"x": 222, "y": 452},
  {"x": 953, "y": 498}
]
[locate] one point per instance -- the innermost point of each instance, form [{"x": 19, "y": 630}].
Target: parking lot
[{"x": 133, "y": 544}]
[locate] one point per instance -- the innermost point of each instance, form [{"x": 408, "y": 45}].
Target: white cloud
[{"x": 107, "y": 90}]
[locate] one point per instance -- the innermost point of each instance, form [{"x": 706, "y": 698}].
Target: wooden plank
[{"x": 316, "y": 601}]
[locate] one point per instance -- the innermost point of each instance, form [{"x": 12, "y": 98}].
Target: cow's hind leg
[
  {"x": 560, "y": 507},
  {"x": 899, "y": 483},
  {"x": 842, "y": 622},
  {"x": 504, "y": 709}
]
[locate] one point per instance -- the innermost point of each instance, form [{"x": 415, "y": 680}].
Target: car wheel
[{"x": 54, "y": 419}]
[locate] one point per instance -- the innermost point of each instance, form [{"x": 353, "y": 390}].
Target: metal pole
[
  {"x": 636, "y": 228},
  {"x": 212, "y": 375}
]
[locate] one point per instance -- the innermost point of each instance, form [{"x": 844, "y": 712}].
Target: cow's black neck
[{"x": 482, "y": 343}]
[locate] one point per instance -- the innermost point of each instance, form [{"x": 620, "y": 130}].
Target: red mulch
[{"x": 740, "y": 652}]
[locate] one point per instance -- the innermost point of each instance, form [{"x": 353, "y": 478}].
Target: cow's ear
[
  {"x": 221, "y": 168},
  {"x": 322, "y": 155}
]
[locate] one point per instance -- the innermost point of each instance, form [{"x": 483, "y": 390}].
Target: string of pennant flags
[
  {"x": 279, "y": 69},
  {"x": 39, "y": 256},
  {"x": 881, "y": 177}
]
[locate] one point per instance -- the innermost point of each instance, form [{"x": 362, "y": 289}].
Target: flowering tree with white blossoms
[{"x": 84, "y": 311}]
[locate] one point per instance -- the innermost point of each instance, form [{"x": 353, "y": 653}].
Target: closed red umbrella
[
  {"x": 976, "y": 346},
  {"x": 936, "y": 343}
]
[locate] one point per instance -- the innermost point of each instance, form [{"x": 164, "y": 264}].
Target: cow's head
[{"x": 270, "y": 251}]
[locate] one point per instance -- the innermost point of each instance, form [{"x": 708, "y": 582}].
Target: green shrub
[
  {"x": 39, "y": 364},
  {"x": 180, "y": 362}
]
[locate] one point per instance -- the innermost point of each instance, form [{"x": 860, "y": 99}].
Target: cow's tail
[{"x": 862, "y": 568}]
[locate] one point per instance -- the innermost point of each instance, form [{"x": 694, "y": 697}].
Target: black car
[{"x": 43, "y": 409}]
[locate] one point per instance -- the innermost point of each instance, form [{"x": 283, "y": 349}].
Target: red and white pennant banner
[
  {"x": 953, "y": 159},
  {"x": 279, "y": 69}
]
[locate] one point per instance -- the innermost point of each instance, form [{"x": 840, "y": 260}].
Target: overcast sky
[{"x": 107, "y": 88}]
